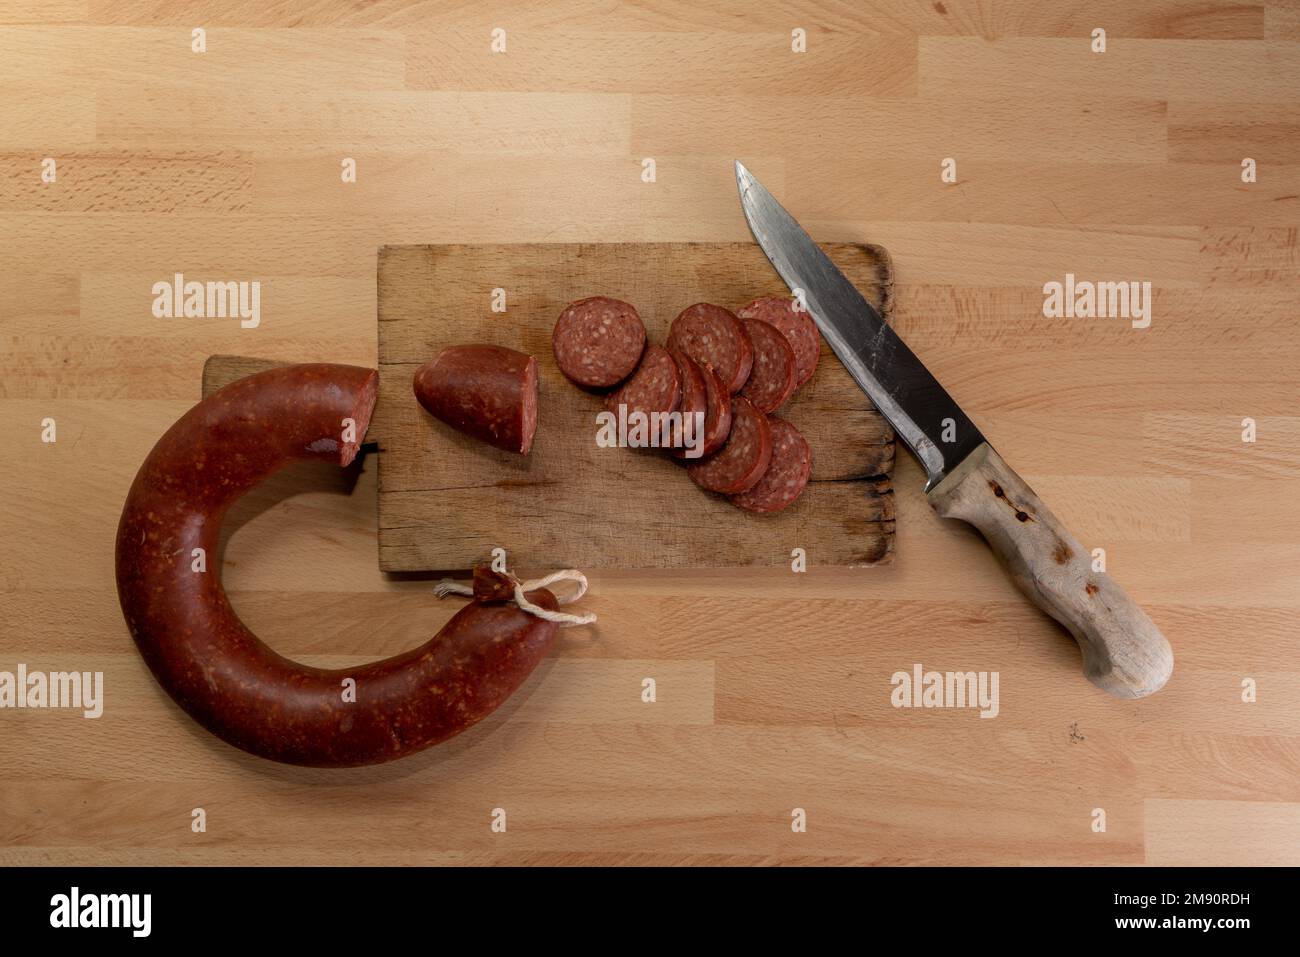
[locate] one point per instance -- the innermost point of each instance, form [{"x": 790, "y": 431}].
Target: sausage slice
[
  {"x": 694, "y": 408},
  {"x": 740, "y": 463},
  {"x": 772, "y": 379},
  {"x": 786, "y": 474},
  {"x": 656, "y": 387},
  {"x": 598, "y": 341},
  {"x": 714, "y": 337},
  {"x": 797, "y": 326}
]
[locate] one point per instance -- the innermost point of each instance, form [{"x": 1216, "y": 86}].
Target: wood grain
[
  {"x": 446, "y": 500},
  {"x": 220, "y": 371},
  {"x": 773, "y": 688}
]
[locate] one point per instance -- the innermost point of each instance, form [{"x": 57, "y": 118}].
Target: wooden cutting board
[{"x": 446, "y": 500}]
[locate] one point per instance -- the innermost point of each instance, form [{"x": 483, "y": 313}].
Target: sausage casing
[{"x": 222, "y": 674}]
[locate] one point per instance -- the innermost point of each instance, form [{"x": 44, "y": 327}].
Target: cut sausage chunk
[
  {"x": 743, "y": 460},
  {"x": 656, "y": 387},
  {"x": 487, "y": 392},
  {"x": 714, "y": 337},
  {"x": 694, "y": 408},
  {"x": 786, "y": 474},
  {"x": 797, "y": 326},
  {"x": 598, "y": 341},
  {"x": 772, "y": 379}
]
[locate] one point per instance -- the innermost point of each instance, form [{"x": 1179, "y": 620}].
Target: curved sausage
[
  {"x": 487, "y": 392},
  {"x": 219, "y": 671}
]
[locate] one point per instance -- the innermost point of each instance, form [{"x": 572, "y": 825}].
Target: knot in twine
[{"x": 448, "y": 587}]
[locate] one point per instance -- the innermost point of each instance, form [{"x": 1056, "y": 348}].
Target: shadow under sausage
[{"x": 497, "y": 735}]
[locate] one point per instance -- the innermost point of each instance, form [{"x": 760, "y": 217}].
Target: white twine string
[{"x": 448, "y": 587}]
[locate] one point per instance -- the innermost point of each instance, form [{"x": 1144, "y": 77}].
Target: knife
[{"x": 1123, "y": 651}]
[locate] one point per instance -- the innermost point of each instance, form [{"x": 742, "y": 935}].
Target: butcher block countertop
[{"x": 772, "y": 688}]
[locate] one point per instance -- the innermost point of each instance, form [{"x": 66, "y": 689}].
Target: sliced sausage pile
[{"x": 728, "y": 371}]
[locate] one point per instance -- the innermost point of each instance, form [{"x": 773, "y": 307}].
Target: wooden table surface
[{"x": 773, "y": 688}]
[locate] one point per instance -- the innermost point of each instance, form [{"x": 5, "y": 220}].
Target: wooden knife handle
[{"x": 1123, "y": 652}]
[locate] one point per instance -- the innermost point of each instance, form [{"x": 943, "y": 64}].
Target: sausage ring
[{"x": 220, "y": 672}]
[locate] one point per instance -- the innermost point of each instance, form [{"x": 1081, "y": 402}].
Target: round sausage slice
[
  {"x": 694, "y": 408},
  {"x": 656, "y": 387},
  {"x": 598, "y": 341},
  {"x": 714, "y": 337},
  {"x": 771, "y": 381},
  {"x": 745, "y": 457},
  {"x": 786, "y": 474},
  {"x": 797, "y": 326}
]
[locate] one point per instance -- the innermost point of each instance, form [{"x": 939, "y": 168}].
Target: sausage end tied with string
[{"x": 491, "y": 585}]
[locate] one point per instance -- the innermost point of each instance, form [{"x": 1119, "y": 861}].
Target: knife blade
[{"x": 1123, "y": 651}]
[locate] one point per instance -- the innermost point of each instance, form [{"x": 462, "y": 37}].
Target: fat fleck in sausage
[
  {"x": 713, "y": 337},
  {"x": 598, "y": 341},
  {"x": 220, "y": 672},
  {"x": 487, "y": 392}
]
